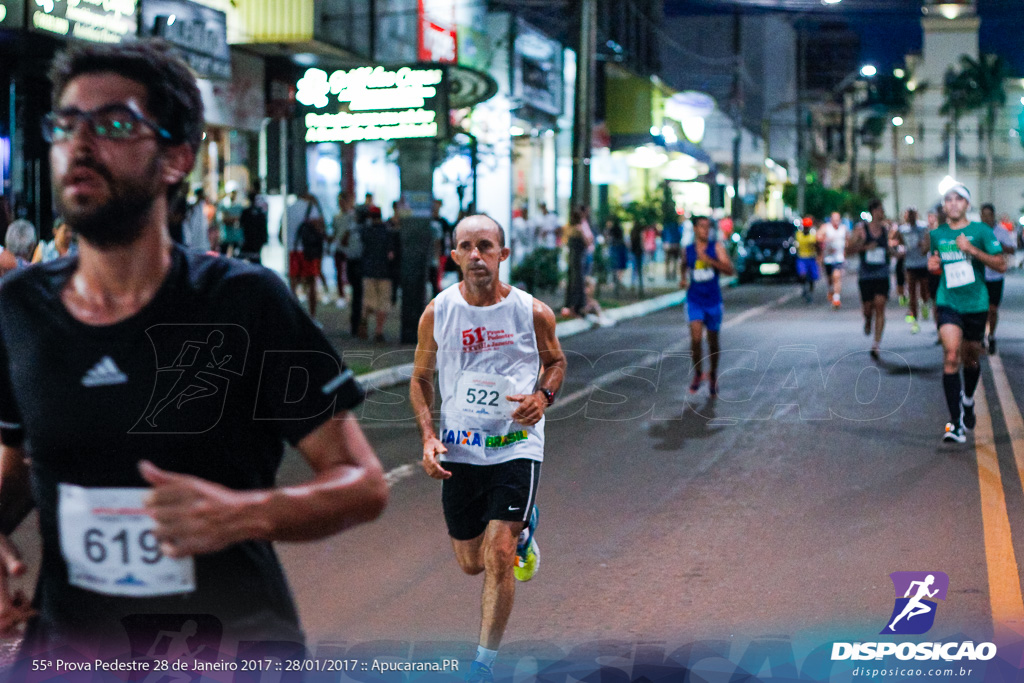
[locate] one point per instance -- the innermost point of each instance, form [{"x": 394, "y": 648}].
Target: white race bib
[
  {"x": 483, "y": 395},
  {"x": 108, "y": 543},
  {"x": 958, "y": 274},
  {"x": 876, "y": 256},
  {"x": 703, "y": 273}
]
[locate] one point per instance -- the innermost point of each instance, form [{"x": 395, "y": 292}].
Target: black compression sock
[
  {"x": 971, "y": 377},
  {"x": 951, "y": 387}
]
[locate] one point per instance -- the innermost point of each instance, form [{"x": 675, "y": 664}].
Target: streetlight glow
[
  {"x": 899, "y": 73},
  {"x": 897, "y": 121},
  {"x": 946, "y": 184},
  {"x": 909, "y": 139},
  {"x": 868, "y": 70}
]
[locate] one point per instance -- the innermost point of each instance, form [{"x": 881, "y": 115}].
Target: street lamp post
[{"x": 866, "y": 71}]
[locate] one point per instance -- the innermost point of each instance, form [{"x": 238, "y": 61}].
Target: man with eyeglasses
[{"x": 146, "y": 393}]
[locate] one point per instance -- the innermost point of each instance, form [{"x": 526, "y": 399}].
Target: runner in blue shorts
[{"x": 704, "y": 261}]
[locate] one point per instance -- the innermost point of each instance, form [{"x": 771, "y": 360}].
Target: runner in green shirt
[{"x": 959, "y": 251}]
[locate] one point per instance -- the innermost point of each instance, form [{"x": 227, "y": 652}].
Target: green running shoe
[
  {"x": 527, "y": 552},
  {"x": 479, "y": 673}
]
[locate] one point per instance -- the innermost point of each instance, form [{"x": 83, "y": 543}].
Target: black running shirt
[{"x": 209, "y": 379}]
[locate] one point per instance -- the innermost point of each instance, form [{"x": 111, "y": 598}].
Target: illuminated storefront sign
[
  {"x": 100, "y": 21},
  {"x": 537, "y": 70},
  {"x": 690, "y": 108},
  {"x": 11, "y": 16},
  {"x": 200, "y": 33},
  {"x": 374, "y": 103},
  {"x": 438, "y": 39}
]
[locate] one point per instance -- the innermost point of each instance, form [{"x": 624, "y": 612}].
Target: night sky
[{"x": 889, "y": 29}]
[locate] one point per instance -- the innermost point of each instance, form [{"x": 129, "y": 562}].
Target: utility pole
[
  {"x": 583, "y": 116},
  {"x": 854, "y": 138},
  {"x": 801, "y": 174},
  {"x": 737, "y": 113}
]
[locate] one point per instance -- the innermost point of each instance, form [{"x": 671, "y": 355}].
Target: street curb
[{"x": 400, "y": 374}]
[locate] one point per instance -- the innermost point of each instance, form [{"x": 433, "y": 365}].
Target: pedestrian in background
[
  {"x": 618, "y": 252},
  {"x": 59, "y": 246},
  {"x": 522, "y": 235},
  {"x": 439, "y": 230},
  {"x": 255, "y": 232},
  {"x": 636, "y": 246},
  {"x": 305, "y": 251},
  {"x": 394, "y": 226},
  {"x": 576, "y": 244},
  {"x": 993, "y": 278},
  {"x": 21, "y": 241},
  {"x": 671, "y": 243},
  {"x": 650, "y": 236},
  {"x": 195, "y": 228},
  {"x": 913, "y": 234},
  {"x": 342, "y": 223},
  {"x": 379, "y": 252},
  {"x": 589, "y": 240},
  {"x": 350, "y": 242},
  {"x": 547, "y": 228},
  {"x": 230, "y": 212}
]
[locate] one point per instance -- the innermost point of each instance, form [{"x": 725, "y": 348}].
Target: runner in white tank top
[
  {"x": 499, "y": 367},
  {"x": 834, "y": 236}
]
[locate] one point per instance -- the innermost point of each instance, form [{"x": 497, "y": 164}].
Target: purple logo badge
[{"x": 916, "y": 592}]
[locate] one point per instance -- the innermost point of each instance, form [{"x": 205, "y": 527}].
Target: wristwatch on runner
[{"x": 549, "y": 395}]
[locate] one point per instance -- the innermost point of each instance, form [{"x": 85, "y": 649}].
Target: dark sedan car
[{"x": 767, "y": 249}]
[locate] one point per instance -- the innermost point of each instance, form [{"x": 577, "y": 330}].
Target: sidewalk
[{"x": 379, "y": 365}]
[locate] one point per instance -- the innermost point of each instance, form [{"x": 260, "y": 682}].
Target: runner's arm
[
  {"x": 994, "y": 261},
  {"x": 195, "y": 516},
  {"x": 722, "y": 262},
  {"x": 421, "y": 394},
  {"x": 15, "y": 494},
  {"x": 532, "y": 406},
  {"x": 15, "y": 504},
  {"x": 683, "y": 270},
  {"x": 421, "y": 384},
  {"x": 855, "y": 244}
]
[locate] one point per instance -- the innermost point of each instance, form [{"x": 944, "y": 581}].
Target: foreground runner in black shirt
[{"x": 146, "y": 393}]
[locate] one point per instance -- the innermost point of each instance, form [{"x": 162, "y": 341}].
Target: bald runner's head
[
  {"x": 480, "y": 221},
  {"x": 479, "y": 249}
]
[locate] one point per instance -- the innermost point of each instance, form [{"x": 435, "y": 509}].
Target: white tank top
[
  {"x": 485, "y": 353},
  {"x": 835, "y": 244}
]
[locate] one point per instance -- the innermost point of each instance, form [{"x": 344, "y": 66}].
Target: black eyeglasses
[{"x": 112, "y": 122}]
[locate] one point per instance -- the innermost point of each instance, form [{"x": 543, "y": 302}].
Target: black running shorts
[
  {"x": 833, "y": 267},
  {"x": 995, "y": 292},
  {"x": 476, "y": 494},
  {"x": 872, "y": 287},
  {"x": 973, "y": 324}
]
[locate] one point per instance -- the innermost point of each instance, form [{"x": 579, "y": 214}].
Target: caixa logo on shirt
[
  {"x": 195, "y": 367},
  {"x": 469, "y": 438}
]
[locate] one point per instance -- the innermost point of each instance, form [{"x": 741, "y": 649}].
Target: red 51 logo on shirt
[{"x": 473, "y": 337}]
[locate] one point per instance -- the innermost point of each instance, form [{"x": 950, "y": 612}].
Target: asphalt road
[{"x": 737, "y": 534}]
